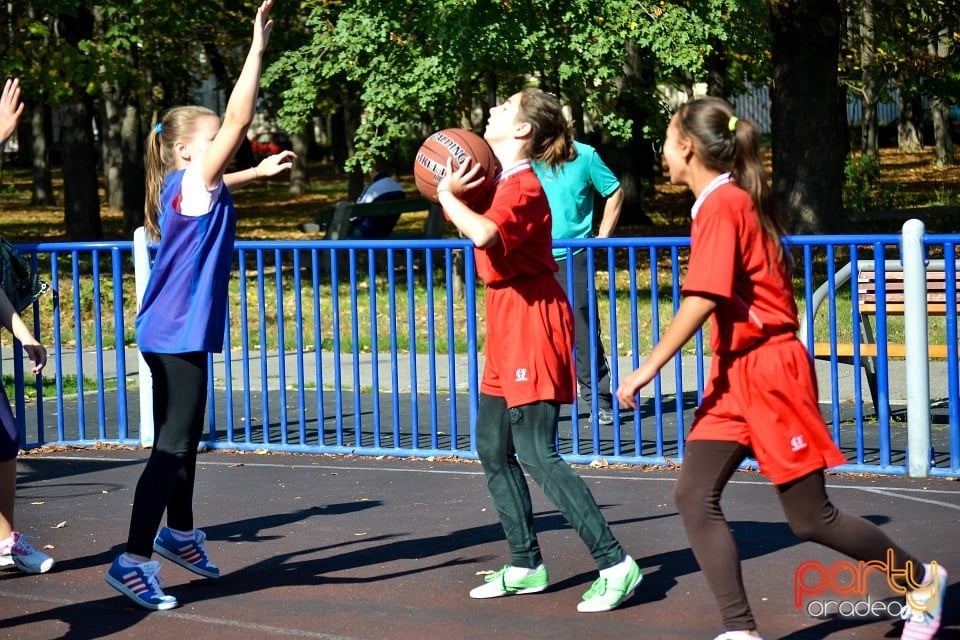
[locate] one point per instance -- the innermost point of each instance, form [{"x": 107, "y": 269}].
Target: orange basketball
[{"x": 430, "y": 165}]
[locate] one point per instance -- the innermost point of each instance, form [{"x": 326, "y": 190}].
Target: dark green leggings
[{"x": 529, "y": 433}]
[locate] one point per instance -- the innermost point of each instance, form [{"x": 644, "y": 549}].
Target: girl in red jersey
[
  {"x": 761, "y": 397},
  {"x": 529, "y": 369}
]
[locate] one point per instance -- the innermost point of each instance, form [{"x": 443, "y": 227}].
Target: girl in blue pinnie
[{"x": 181, "y": 320}]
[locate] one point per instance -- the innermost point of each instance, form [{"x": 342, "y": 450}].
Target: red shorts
[
  {"x": 529, "y": 351},
  {"x": 766, "y": 399}
]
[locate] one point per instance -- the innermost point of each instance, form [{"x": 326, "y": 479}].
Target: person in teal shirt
[{"x": 570, "y": 188}]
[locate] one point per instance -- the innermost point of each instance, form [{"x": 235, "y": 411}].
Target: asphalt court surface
[{"x": 343, "y": 547}]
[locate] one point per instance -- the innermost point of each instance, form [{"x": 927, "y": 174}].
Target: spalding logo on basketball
[{"x": 430, "y": 165}]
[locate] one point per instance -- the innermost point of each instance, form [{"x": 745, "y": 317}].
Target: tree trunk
[
  {"x": 909, "y": 123},
  {"x": 351, "y": 119},
  {"x": 577, "y": 115},
  {"x": 111, "y": 146},
  {"x": 133, "y": 174},
  {"x": 633, "y": 161},
  {"x": 41, "y": 184},
  {"x": 872, "y": 82},
  {"x": 939, "y": 49},
  {"x": 339, "y": 142},
  {"x": 943, "y": 144},
  {"x": 299, "y": 179},
  {"x": 81, "y": 202},
  {"x": 80, "y": 199},
  {"x": 717, "y": 64},
  {"x": 809, "y": 136}
]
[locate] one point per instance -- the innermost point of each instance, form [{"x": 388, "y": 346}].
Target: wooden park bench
[
  {"x": 894, "y": 299},
  {"x": 336, "y": 219}
]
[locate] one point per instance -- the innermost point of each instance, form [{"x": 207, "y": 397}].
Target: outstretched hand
[
  {"x": 10, "y": 108},
  {"x": 262, "y": 27},
  {"x": 278, "y": 162}
]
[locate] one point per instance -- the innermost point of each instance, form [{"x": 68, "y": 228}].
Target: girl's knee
[
  {"x": 804, "y": 528},
  {"x": 694, "y": 504},
  {"x": 489, "y": 452},
  {"x": 808, "y": 525}
]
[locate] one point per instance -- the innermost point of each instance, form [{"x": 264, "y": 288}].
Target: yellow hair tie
[{"x": 732, "y": 125}]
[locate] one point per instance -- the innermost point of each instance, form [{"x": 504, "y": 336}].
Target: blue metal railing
[{"x": 372, "y": 348}]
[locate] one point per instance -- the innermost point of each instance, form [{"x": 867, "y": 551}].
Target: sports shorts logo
[
  {"x": 797, "y": 443},
  {"x": 521, "y": 375}
]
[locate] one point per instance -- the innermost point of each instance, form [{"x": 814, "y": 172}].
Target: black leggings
[
  {"x": 707, "y": 467},
  {"x": 179, "y": 402}
]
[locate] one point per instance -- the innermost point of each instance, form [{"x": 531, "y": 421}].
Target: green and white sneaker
[
  {"x": 500, "y": 584},
  {"x": 608, "y": 593}
]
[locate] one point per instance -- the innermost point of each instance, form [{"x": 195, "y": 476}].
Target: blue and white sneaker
[
  {"x": 141, "y": 584},
  {"x": 190, "y": 554}
]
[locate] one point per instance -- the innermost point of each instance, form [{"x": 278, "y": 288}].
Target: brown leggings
[{"x": 707, "y": 467}]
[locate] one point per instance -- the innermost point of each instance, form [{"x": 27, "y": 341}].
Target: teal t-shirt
[{"x": 569, "y": 190}]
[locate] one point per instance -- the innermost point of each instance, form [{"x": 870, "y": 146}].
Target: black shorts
[{"x": 9, "y": 434}]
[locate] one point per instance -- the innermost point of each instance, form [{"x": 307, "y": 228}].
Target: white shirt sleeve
[{"x": 195, "y": 198}]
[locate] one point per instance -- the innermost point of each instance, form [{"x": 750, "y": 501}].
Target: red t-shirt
[
  {"x": 522, "y": 215},
  {"x": 730, "y": 262},
  {"x": 529, "y": 350}
]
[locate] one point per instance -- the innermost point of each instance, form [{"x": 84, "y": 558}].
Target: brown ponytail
[
  {"x": 177, "y": 124},
  {"x": 727, "y": 144},
  {"x": 552, "y": 139}
]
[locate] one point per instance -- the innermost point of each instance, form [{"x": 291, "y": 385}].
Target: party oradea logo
[{"x": 846, "y": 581}]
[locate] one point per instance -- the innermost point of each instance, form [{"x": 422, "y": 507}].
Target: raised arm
[{"x": 242, "y": 103}]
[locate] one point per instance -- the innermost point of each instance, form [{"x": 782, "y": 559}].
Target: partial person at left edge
[{"x": 14, "y": 548}]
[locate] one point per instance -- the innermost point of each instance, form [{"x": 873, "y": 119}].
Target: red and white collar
[
  {"x": 720, "y": 180},
  {"x": 513, "y": 169}
]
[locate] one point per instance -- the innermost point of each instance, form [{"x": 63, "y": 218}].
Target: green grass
[
  {"x": 92, "y": 304},
  {"x": 70, "y": 385}
]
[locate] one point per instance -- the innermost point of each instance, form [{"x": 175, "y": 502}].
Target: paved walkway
[{"x": 363, "y": 549}]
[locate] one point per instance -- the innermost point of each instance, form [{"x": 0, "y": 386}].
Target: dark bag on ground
[{"x": 19, "y": 281}]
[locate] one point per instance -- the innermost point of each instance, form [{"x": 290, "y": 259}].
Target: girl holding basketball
[
  {"x": 529, "y": 371},
  {"x": 181, "y": 319},
  {"x": 761, "y": 397}
]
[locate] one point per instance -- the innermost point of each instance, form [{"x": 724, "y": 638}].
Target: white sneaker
[
  {"x": 22, "y": 554},
  {"x": 924, "y": 606},
  {"x": 499, "y": 584},
  {"x": 737, "y": 635}
]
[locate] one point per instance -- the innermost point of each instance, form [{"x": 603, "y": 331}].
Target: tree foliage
[
  {"x": 412, "y": 66},
  {"x": 394, "y": 70}
]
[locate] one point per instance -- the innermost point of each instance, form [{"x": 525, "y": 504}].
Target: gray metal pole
[{"x": 917, "y": 343}]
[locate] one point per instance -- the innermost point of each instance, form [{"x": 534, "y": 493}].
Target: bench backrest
[
  {"x": 894, "y": 294},
  {"x": 345, "y": 210}
]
